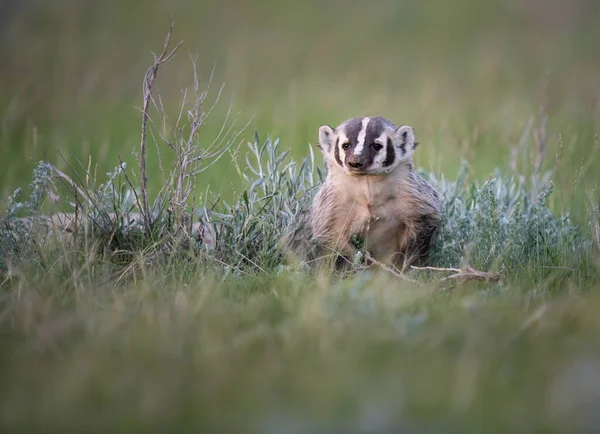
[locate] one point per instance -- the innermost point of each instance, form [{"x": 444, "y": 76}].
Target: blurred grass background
[
  {"x": 468, "y": 76},
  {"x": 176, "y": 348}
]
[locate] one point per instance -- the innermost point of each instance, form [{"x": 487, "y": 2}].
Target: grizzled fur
[{"x": 371, "y": 195}]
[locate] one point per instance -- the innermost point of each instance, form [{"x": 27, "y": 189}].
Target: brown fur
[{"x": 394, "y": 213}]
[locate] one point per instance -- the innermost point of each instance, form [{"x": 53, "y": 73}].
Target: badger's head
[{"x": 367, "y": 146}]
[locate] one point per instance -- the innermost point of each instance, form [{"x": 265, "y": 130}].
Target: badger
[{"x": 371, "y": 199}]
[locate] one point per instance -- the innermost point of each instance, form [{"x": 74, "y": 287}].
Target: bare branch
[
  {"x": 464, "y": 275},
  {"x": 149, "y": 78},
  {"x": 456, "y": 270},
  {"x": 389, "y": 269}
]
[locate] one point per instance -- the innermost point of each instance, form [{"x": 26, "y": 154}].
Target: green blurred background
[{"x": 468, "y": 75}]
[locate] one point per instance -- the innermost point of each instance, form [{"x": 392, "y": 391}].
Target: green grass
[
  {"x": 178, "y": 352},
  {"x": 127, "y": 335}
]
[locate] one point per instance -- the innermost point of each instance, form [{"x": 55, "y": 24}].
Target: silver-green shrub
[{"x": 503, "y": 224}]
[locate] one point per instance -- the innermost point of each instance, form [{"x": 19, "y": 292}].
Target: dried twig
[
  {"x": 388, "y": 269},
  {"x": 165, "y": 57},
  {"x": 463, "y": 274}
]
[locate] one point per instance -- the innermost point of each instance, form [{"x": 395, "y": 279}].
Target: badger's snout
[{"x": 355, "y": 162}]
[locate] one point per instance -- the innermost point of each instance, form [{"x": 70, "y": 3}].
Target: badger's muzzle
[{"x": 355, "y": 162}]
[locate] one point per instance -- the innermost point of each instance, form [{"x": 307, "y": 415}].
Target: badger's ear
[
  {"x": 404, "y": 139},
  {"x": 326, "y": 140}
]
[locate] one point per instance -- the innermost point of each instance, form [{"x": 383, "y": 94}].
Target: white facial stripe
[
  {"x": 360, "y": 145},
  {"x": 342, "y": 139},
  {"x": 380, "y": 156}
]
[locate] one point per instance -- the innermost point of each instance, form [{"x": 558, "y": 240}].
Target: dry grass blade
[
  {"x": 595, "y": 212},
  {"x": 164, "y": 57},
  {"x": 132, "y": 187},
  {"x": 71, "y": 182}
]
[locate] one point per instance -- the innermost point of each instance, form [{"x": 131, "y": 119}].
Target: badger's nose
[{"x": 356, "y": 164}]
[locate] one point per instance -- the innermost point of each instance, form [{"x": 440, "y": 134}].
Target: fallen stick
[
  {"x": 465, "y": 275},
  {"x": 389, "y": 269}
]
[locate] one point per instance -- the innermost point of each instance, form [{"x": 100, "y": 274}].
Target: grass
[
  {"x": 279, "y": 352},
  {"x": 122, "y": 331}
]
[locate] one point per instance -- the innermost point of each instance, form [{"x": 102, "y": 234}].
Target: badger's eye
[
  {"x": 346, "y": 145},
  {"x": 377, "y": 146}
]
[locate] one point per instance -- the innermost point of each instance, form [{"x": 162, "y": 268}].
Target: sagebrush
[{"x": 504, "y": 224}]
